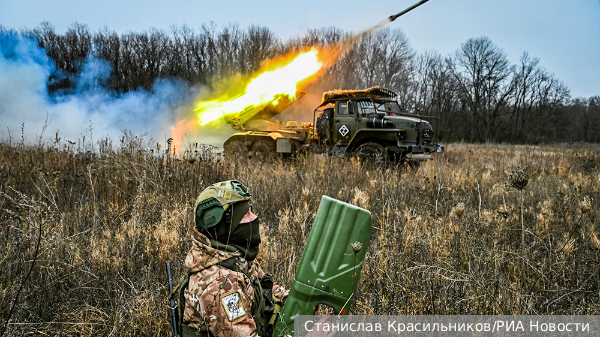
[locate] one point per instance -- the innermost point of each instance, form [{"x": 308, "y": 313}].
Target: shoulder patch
[{"x": 233, "y": 306}]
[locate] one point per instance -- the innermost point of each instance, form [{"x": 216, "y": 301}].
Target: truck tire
[
  {"x": 235, "y": 150},
  {"x": 263, "y": 150},
  {"x": 372, "y": 153},
  {"x": 324, "y": 131},
  {"x": 322, "y": 128}
]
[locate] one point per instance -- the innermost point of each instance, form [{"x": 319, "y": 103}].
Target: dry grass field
[{"x": 90, "y": 233}]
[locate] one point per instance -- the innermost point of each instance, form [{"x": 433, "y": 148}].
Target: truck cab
[{"x": 370, "y": 123}]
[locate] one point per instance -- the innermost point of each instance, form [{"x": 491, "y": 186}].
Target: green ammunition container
[{"x": 330, "y": 268}]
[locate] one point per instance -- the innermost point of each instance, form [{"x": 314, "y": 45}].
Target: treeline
[
  {"x": 138, "y": 59},
  {"x": 476, "y": 94}
]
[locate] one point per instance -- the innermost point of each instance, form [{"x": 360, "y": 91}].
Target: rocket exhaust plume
[
  {"x": 263, "y": 88},
  {"x": 389, "y": 19},
  {"x": 279, "y": 78},
  {"x": 334, "y": 52}
]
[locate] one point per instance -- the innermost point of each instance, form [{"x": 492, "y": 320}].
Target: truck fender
[
  {"x": 377, "y": 136},
  {"x": 246, "y": 138},
  {"x": 235, "y": 137},
  {"x": 275, "y": 135}
]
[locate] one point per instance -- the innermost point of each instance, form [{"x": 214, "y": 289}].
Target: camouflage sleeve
[{"x": 219, "y": 300}]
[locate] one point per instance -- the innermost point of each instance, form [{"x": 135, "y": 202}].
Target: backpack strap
[
  {"x": 179, "y": 294},
  {"x": 179, "y": 291}
]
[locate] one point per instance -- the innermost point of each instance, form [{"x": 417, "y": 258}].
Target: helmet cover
[{"x": 214, "y": 202}]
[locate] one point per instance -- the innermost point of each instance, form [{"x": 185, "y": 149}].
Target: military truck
[{"x": 368, "y": 124}]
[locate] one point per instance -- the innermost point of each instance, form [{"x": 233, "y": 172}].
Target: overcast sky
[{"x": 563, "y": 34}]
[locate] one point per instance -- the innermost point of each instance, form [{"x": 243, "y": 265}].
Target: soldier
[{"x": 227, "y": 294}]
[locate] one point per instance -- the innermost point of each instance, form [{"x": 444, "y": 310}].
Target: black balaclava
[{"x": 231, "y": 236}]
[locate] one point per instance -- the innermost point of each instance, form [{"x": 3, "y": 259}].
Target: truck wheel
[
  {"x": 372, "y": 153},
  {"x": 263, "y": 150},
  {"x": 235, "y": 150},
  {"x": 323, "y": 128}
]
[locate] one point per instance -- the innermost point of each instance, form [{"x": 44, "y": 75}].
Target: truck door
[{"x": 344, "y": 122}]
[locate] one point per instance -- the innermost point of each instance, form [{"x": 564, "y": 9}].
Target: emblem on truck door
[{"x": 343, "y": 131}]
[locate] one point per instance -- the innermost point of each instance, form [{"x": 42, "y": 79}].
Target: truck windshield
[
  {"x": 343, "y": 108},
  {"x": 368, "y": 108}
]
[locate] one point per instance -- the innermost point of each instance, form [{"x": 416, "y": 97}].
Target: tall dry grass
[{"x": 452, "y": 237}]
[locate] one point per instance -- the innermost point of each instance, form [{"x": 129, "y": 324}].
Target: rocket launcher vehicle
[
  {"x": 330, "y": 266},
  {"x": 264, "y": 111}
]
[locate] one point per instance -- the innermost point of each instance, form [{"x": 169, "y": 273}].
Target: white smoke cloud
[{"x": 89, "y": 110}]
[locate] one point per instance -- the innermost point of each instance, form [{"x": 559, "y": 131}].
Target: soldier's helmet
[{"x": 221, "y": 204}]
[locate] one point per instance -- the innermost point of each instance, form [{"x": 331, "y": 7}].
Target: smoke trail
[{"x": 89, "y": 110}]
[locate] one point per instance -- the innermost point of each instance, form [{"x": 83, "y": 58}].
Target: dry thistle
[
  {"x": 519, "y": 178},
  {"x": 356, "y": 247},
  {"x": 459, "y": 209},
  {"x": 585, "y": 205}
]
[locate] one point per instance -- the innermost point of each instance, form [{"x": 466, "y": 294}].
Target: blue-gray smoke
[{"x": 89, "y": 109}]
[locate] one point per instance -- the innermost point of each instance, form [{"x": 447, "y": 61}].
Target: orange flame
[
  {"x": 263, "y": 88},
  {"x": 178, "y": 132}
]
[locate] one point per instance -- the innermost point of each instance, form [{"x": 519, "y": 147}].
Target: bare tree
[
  {"x": 68, "y": 51},
  {"x": 258, "y": 44},
  {"x": 434, "y": 90},
  {"x": 594, "y": 119},
  {"x": 585, "y": 113},
  {"x": 481, "y": 70},
  {"x": 384, "y": 59},
  {"x": 107, "y": 46},
  {"x": 535, "y": 94}
]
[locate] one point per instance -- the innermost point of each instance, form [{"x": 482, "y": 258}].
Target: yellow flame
[{"x": 264, "y": 88}]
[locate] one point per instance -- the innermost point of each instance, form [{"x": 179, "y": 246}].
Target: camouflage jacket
[{"x": 218, "y": 299}]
